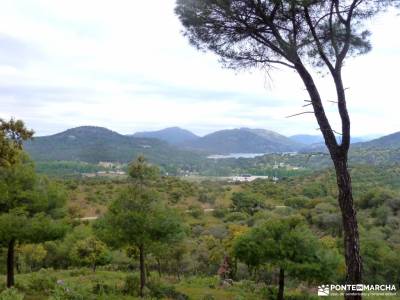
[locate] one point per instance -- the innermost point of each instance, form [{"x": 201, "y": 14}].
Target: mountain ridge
[
  {"x": 243, "y": 140},
  {"x": 94, "y": 144},
  {"x": 172, "y": 135}
]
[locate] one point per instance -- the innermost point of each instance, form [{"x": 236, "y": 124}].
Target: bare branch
[{"x": 302, "y": 113}]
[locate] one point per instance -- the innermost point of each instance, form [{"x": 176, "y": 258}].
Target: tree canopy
[
  {"x": 31, "y": 208},
  {"x": 289, "y": 245},
  {"x": 12, "y": 134},
  {"x": 138, "y": 218}
]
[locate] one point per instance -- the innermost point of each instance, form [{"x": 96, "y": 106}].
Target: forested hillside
[
  {"x": 96, "y": 144},
  {"x": 219, "y": 220},
  {"x": 243, "y": 140},
  {"x": 172, "y": 135}
]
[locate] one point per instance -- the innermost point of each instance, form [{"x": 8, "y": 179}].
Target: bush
[
  {"x": 297, "y": 202},
  {"x": 65, "y": 292},
  {"x": 42, "y": 281},
  {"x": 236, "y": 217},
  {"x": 131, "y": 285},
  {"x": 220, "y": 212},
  {"x": 80, "y": 272},
  {"x": 208, "y": 297},
  {"x": 205, "y": 197},
  {"x": 160, "y": 291},
  {"x": 101, "y": 288},
  {"x": 196, "y": 211},
  {"x": 11, "y": 294}
]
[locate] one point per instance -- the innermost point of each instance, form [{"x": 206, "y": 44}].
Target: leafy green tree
[
  {"x": 138, "y": 218},
  {"x": 58, "y": 251},
  {"x": 12, "y": 134},
  {"x": 299, "y": 35},
  {"x": 381, "y": 259},
  {"x": 297, "y": 201},
  {"x": 246, "y": 202},
  {"x": 31, "y": 255},
  {"x": 90, "y": 252},
  {"x": 289, "y": 245},
  {"x": 30, "y": 209}
]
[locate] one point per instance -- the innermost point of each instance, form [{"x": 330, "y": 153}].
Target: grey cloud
[
  {"x": 27, "y": 96},
  {"x": 197, "y": 94},
  {"x": 16, "y": 53}
]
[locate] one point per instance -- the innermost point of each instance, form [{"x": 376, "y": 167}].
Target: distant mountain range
[
  {"x": 243, "y": 140},
  {"x": 94, "y": 144},
  {"x": 175, "y": 145},
  {"x": 390, "y": 141},
  {"x": 172, "y": 135},
  {"x": 308, "y": 139}
]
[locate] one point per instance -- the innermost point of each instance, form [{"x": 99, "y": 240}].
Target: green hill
[
  {"x": 95, "y": 144},
  {"x": 171, "y": 135},
  {"x": 391, "y": 141},
  {"x": 243, "y": 140}
]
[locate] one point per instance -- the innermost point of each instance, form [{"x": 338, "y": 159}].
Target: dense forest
[
  {"x": 237, "y": 214},
  {"x": 166, "y": 237}
]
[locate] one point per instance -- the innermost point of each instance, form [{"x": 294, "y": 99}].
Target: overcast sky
[{"x": 125, "y": 65}]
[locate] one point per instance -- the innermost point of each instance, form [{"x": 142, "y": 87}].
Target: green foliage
[
  {"x": 236, "y": 217},
  {"x": 90, "y": 252},
  {"x": 12, "y": 134},
  {"x": 376, "y": 197},
  {"x": 246, "y": 202},
  {"x": 131, "y": 285},
  {"x": 95, "y": 144},
  {"x": 31, "y": 203},
  {"x": 137, "y": 218},
  {"x": 69, "y": 292},
  {"x": 42, "y": 281},
  {"x": 290, "y": 245},
  {"x": 297, "y": 201},
  {"x": 159, "y": 290},
  {"x": 11, "y": 294},
  {"x": 31, "y": 256},
  {"x": 196, "y": 211}
]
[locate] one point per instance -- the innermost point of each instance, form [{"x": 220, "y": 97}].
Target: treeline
[{"x": 272, "y": 236}]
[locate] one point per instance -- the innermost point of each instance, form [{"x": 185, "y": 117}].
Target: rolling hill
[
  {"x": 391, "y": 141},
  {"x": 171, "y": 135},
  {"x": 94, "y": 144},
  {"x": 243, "y": 140},
  {"x": 307, "y": 139}
]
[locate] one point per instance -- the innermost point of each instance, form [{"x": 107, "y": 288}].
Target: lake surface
[{"x": 236, "y": 155}]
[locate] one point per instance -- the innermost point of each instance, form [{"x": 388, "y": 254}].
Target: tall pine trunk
[
  {"x": 339, "y": 155},
  {"x": 142, "y": 270},
  {"x": 281, "y": 284},
  {"x": 350, "y": 227},
  {"x": 10, "y": 263}
]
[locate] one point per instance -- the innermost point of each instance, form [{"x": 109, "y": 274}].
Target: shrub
[
  {"x": 297, "y": 202},
  {"x": 11, "y": 294},
  {"x": 160, "y": 291},
  {"x": 80, "y": 272},
  {"x": 42, "y": 281},
  {"x": 205, "y": 197},
  {"x": 101, "y": 288},
  {"x": 131, "y": 285},
  {"x": 236, "y": 217},
  {"x": 220, "y": 212},
  {"x": 65, "y": 292},
  {"x": 196, "y": 211}
]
